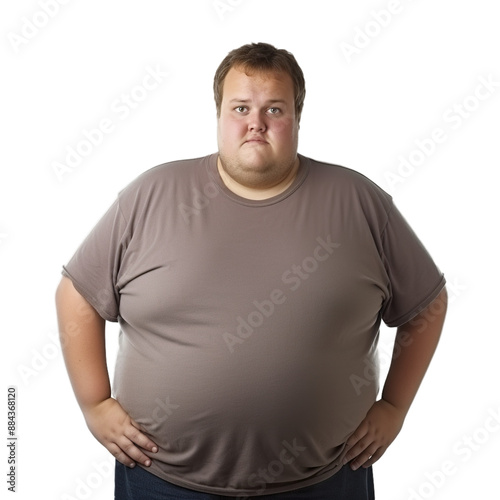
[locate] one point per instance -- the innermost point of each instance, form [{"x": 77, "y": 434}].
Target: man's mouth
[{"x": 256, "y": 140}]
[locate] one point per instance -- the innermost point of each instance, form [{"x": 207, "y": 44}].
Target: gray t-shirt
[{"x": 248, "y": 336}]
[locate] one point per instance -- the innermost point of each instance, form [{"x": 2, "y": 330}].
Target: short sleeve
[
  {"x": 95, "y": 266},
  {"x": 414, "y": 279}
]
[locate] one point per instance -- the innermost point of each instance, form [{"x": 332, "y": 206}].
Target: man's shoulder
[
  {"x": 175, "y": 168},
  {"x": 344, "y": 176},
  {"x": 168, "y": 174}
]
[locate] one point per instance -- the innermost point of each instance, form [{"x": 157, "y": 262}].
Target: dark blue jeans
[{"x": 139, "y": 484}]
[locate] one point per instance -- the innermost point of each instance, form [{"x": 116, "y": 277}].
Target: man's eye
[
  {"x": 274, "y": 111},
  {"x": 240, "y": 109}
]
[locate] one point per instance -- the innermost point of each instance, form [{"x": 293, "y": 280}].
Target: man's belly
[{"x": 222, "y": 415}]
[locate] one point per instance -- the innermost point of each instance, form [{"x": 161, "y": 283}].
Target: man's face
[{"x": 257, "y": 130}]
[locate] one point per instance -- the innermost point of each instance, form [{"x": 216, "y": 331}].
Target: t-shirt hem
[
  {"x": 242, "y": 493},
  {"x": 88, "y": 296},
  {"x": 401, "y": 320}
]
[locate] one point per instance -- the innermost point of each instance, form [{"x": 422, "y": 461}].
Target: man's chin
[
  {"x": 248, "y": 163},
  {"x": 252, "y": 175},
  {"x": 257, "y": 158}
]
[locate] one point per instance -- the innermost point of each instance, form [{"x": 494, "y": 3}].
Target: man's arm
[
  {"x": 83, "y": 345},
  {"x": 415, "y": 344}
]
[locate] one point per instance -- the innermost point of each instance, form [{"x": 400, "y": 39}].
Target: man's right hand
[{"x": 118, "y": 433}]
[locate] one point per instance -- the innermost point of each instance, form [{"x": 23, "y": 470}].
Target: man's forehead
[
  {"x": 238, "y": 79},
  {"x": 261, "y": 74}
]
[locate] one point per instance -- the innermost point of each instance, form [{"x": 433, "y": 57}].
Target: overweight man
[{"x": 249, "y": 285}]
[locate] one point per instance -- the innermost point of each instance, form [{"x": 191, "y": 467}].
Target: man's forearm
[
  {"x": 82, "y": 338},
  {"x": 416, "y": 342},
  {"x": 81, "y": 331}
]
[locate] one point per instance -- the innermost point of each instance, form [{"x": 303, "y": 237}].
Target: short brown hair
[{"x": 261, "y": 57}]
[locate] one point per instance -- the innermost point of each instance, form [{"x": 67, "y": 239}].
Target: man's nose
[{"x": 256, "y": 122}]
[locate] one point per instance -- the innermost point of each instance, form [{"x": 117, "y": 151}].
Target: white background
[{"x": 370, "y": 98}]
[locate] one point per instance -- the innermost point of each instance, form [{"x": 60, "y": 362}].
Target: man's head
[
  {"x": 261, "y": 58},
  {"x": 259, "y": 94}
]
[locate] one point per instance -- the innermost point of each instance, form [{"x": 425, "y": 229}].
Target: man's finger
[
  {"x": 364, "y": 458},
  {"x": 134, "y": 452},
  {"x": 139, "y": 438},
  {"x": 374, "y": 458},
  {"x": 357, "y": 435},
  {"x": 120, "y": 455}
]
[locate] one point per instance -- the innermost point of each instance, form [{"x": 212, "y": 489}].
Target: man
[{"x": 249, "y": 286}]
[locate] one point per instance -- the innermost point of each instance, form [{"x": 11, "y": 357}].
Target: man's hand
[
  {"x": 374, "y": 435},
  {"x": 118, "y": 433}
]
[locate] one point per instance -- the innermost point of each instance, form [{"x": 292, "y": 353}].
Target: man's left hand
[{"x": 374, "y": 435}]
